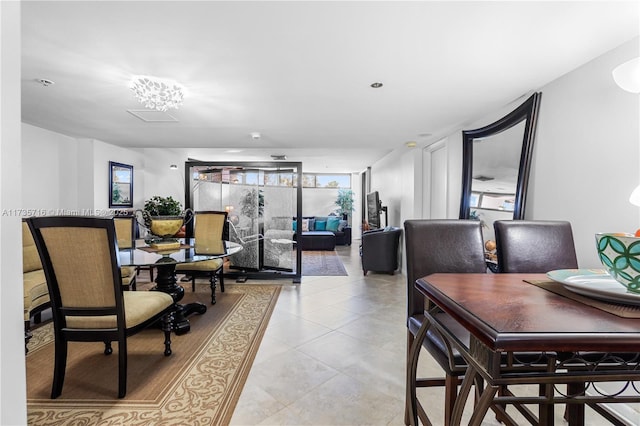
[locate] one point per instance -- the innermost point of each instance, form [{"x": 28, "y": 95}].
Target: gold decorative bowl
[{"x": 165, "y": 226}]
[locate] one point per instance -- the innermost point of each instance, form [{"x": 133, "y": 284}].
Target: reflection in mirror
[{"x": 496, "y": 162}]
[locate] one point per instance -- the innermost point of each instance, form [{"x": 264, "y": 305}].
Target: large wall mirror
[{"x": 496, "y": 162}]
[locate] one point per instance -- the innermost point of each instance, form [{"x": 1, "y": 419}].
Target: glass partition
[{"x": 262, "y": 201}]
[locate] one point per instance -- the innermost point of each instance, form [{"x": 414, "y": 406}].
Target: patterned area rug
[
  {"x": 322, "y": 263},
  {"x": 199, "y": 384}
]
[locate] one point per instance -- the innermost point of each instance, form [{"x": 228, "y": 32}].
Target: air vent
[
  {"x": 151, "y": 116},
  {"x": 279, "y": 157}
]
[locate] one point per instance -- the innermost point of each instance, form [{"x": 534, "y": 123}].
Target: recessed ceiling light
[
  {"x": 424, "y": 135},
  {"x": 411, "y": 144},
  {"x": 233, "y": 151},
  {"x": 255, "y": 135},
  {"x": 173, "y": 167},
  {"x": 376, "y": 85},
  {"x": 45, "y": 82}
]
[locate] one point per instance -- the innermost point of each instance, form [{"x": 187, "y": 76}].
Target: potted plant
[
  {"x": 344, "y": 203},
  {"x": 163, "y": 216}
]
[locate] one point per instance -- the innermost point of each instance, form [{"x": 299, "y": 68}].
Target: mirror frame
[{"x": 527, "y": 112}]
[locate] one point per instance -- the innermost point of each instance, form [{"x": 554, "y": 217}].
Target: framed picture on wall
[{"x": 120, "y": 185}]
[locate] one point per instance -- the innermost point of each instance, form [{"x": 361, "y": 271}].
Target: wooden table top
[{"x": 508, "y": 314}]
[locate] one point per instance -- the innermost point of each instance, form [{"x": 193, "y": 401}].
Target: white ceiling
[{"x": 299, "y": 72}]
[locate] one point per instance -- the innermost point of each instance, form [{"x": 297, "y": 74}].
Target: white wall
[
  {"x": 13, "y": 406},
  {"x": 586, "y": 158},
  {"x": 587, "y": 153},
  {"x": 49, "y": 172}
]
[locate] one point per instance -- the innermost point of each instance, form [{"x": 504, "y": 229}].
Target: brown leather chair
[
  {"x": 439, "y": 246},
  {"x": 534, "y": 246},
  {"x": 537, "y": 246}
]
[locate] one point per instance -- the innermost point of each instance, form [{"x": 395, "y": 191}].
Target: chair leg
[
  {"x": 212, "y": 281},
  {"x": 59, "y": 366},
  {"x": 167, "y": 322},
  {"x": 122, "y": 367},
  {"x": 27, "y": 335},
  {"x": 450, "y": 395},
  {"x": 193, "y": 283},
  {"x": 221, "y": 278}
]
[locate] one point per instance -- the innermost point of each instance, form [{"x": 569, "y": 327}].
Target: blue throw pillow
[
  {"x": 333, "y": 224},
  {"x": 321, "y": 225},
  {"x": 295, "y": 225}
]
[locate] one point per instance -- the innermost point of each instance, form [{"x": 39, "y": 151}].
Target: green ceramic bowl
[{"x": 620, "y": 255}]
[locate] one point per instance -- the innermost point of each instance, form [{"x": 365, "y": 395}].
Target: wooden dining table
[{"x": 508, "y": 315}]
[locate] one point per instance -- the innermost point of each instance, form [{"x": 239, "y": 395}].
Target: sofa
[
  {"x": 36, "y": 293},
  {"x": 317, "y": 232}
]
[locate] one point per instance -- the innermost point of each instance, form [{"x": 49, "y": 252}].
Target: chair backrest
[
  {"x": 125, "y": 231},
  {"x": 30, "y": 257},
  {"x": 440, "y": 246},
  {"x": 534, "y": 246},
  {"x": 209, "y": 225},
  {"x": 80, "y": 265}
]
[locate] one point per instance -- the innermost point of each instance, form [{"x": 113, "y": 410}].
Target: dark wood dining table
[{"x": 506, "y": 316}]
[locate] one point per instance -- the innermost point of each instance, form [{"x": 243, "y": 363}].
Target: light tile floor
[{"x": 334, "y": 354}]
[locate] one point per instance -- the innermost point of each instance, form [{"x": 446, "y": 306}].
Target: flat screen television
[{"x": 373, "y": 209}]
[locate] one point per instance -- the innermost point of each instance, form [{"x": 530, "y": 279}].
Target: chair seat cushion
[
  {"x": 36, "y": 292},
  {"x": 207, "y": 265},
  {"x": 127, "y": 271},
  {"x": 138, "y": 307},
  {"x": 435, "y": 345}
]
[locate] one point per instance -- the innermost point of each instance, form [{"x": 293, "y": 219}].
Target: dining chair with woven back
[
  {"x": 438, "y": 246},
  {"x": 125, "y": 232},
  {"x": 208, "y": 232},
  {"x": 80, "y": 260}
]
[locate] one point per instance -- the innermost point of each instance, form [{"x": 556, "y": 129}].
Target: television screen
[{"x": 373, "y": 209}]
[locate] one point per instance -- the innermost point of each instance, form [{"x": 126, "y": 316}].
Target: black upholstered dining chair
[
  {"x": 208, "y": 229},
  {"x": 534, "y": 246},
  {"x": 80, "y": 260},
  {"x": 439, "y": 246}
]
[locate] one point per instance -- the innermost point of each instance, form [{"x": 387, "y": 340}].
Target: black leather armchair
[{"x": 379, "y": 250}]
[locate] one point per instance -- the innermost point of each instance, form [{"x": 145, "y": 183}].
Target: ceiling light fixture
[
  {"x": 411, "y": 144},
  {"x": 627, "y": 75},
  {"x": 255, "y": 135},
  {"x": 156, "y": 93},
  {"x": 45, "y": 82},
  {"x": 173, "y": 167},
  {"x": 376, "y": 85}
]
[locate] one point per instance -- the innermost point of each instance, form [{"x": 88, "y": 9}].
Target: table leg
[
  {"x": 575, "y": 412},
  {"x": 167, "y": 283}
]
